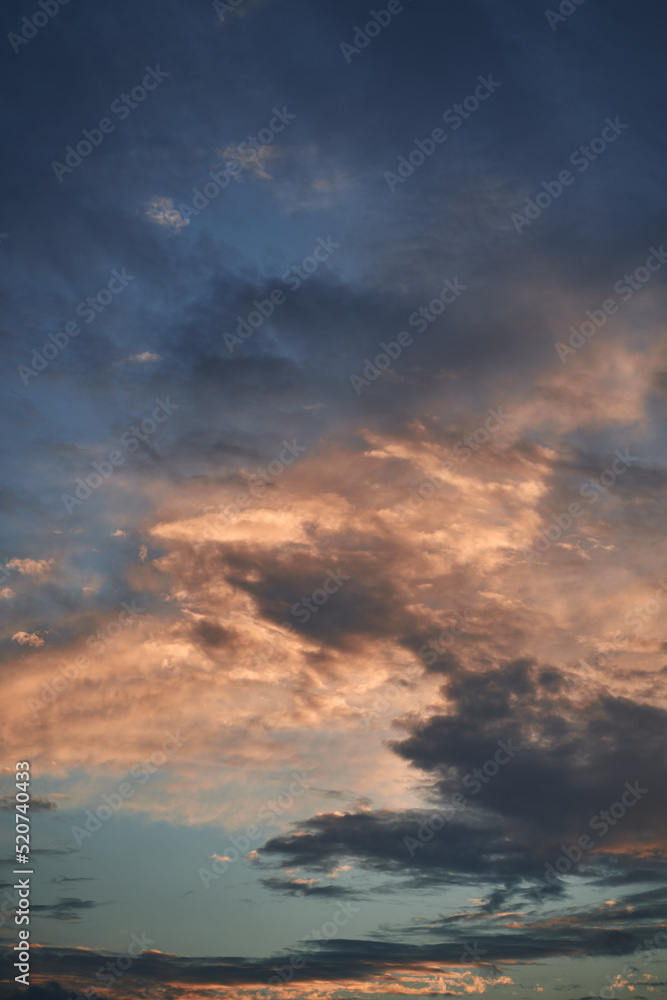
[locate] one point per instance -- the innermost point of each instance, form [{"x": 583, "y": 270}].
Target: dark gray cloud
[
  {"x": 568, "y": 770},
  {"x": 329, "y": 960},
  {"x": 295, "y": 887},
  {"x": 64, "y": 908},
  {"x": 8, "y": 803}
]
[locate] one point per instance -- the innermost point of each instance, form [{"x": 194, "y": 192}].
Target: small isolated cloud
[
  {"x": 119, "y": 533},
  {"x": 27, "y": 639},
  {"x": 143, "y": 552},
  {"x": 336, "y": 872},
  {"x": 304, "y": 887},
  {"x": 145, "y": 356},
  {"x": 8, "y": 803},
  {"x": 162, "y": 211},
  {"x": 65, "y": 878},
  {"x": 31, "y": 567},
  {"x": 65, "y": 909},
  {"x": 7, "y": 593}
]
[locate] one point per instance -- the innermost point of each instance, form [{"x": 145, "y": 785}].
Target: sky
[{"x": 332, "y": 576}]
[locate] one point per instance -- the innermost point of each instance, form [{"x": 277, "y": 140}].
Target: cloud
[
  {"x": 371, "y": 965},
  {"x": 253, "y": 161},
  {"x": 27, "y": 639},
  {"x": 570, "y": 771},
  {"x": 308, "y": 888},
  {"x": 31, "y": 567},
  {"x": 65, "y": 908},
  {"x": 451, "y": 630},
  {"x": 144, "y": 356},
  {"x": 162, "y": 212},
  {"x": 8, "y": 803}
]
